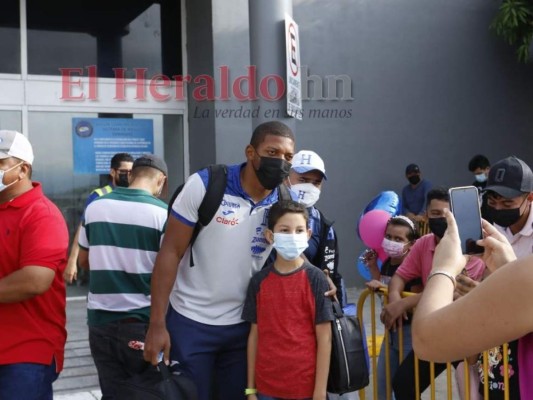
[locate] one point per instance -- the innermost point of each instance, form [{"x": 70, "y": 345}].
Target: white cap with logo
[
  {"x": 307, "y": 160},
  {"x": 15, "y": 144}
]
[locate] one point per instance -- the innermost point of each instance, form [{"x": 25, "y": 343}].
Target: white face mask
[
  {"x": 306, "y": 193},
  {"x": 290, "y": 245},
  {"x": 2, "y": 173},
  {"x": 393, "y": 249}
]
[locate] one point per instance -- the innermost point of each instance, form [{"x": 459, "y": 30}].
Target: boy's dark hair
[
  {"x": 275, "y": 128},
  {"x": 400, "y": 221},
  {"x": 120, "y": 157},
  {"x": 478, "y": 161},
  {"x": 283, "y": 207},
  {"x": 438, "y": 193}
]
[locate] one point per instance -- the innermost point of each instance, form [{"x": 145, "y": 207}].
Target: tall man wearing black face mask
[
  {"x": 119, "y": 173},
  {"x": 417, "y": 265},
  {"x": 202, "y": 328}
]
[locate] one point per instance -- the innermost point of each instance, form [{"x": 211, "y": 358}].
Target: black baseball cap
[
  {"x": 510, "y": 177},
  {"x": 150, "y": 160},
  {"x": 411, "y": 168}
]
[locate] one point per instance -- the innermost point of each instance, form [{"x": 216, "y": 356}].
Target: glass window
[
  {"x": 11, "y": 120},
  {"x": 108, "y": 34},
  {"x": 10, "y": 37},
  {"x": 51, "y": 136}
]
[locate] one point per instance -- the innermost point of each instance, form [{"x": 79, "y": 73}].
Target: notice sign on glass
[
  {"x": 96, "y": 140},
  {"x": 294, "y": 81}
]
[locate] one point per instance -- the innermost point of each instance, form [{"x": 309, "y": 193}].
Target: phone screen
[{"x": 465, "y": 207}]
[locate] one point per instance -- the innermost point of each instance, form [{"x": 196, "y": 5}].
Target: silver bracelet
[{"x": 445, "y": 273}]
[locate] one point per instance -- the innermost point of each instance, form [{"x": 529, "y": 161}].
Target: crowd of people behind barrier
[
  {"x": 155, "y": 295},
  {"x": 505, "y": 198}
]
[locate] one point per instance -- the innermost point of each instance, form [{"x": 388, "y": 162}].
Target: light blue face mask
[
  {"x": 2, "y": 173},
  {"x": 481, "y": 177},
  {"x": 290, "y": 245}
]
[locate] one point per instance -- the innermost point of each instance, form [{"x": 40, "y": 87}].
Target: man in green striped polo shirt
[{"x": 119, "y": 240}]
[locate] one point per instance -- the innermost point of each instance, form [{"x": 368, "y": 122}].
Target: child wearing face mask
[
  {"x": 400, "y": 235},
  {"x": 289, "y": 345}
]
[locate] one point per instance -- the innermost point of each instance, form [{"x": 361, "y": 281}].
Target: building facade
[{"x": 386, "y": 83}]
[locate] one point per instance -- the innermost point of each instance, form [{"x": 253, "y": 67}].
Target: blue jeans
[
  {"x": 114, "y": 359},
  {"x": 27, "y": 381},
  {"x": 213, "y": 356},
  {"x": 394, "y": 358}
]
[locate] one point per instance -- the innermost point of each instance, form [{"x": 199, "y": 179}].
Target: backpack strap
[
  {"x": 284, "y": 192},
  {"x": 216, "y": 186},
  {"x": 173, "y": 198},
  {"x": 325, "y": 224},
  {"x": 327, "y": 252}
]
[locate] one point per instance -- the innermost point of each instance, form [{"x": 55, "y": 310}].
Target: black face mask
[
  {"x": 272, "y": 171},
  {"x": 122, "y": 180},
  {"x": 505, "y": 218},
  {"x": 438, "y": 226},
  {"x": 413, "y": 180}
]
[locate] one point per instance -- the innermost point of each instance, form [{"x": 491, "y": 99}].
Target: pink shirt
[{"x": 419, "y": 261}]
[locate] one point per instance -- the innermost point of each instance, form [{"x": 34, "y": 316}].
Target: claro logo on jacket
[{"x": 227, "y": 221}]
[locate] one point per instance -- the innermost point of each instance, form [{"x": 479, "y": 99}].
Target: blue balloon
[
  {"x": 363, "y": 269},
  {"x": 387, "y": 201}
]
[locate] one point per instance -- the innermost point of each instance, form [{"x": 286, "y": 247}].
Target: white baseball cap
[
  {"x": 15, "y": 144},
  {"x": 307, "y": 160}
]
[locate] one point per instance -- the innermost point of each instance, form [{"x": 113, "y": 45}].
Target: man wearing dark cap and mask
[
  {"x": 119, "y": 240},
  {"x": 509, "y": 193},
  {"x": 414, "y": 194}
]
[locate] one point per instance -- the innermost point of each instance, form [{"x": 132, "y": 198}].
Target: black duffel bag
[
  {"x": 348, "y": 369},
  {"x": 157, "y": 383}
]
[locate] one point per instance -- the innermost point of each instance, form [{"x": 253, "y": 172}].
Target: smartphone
[{"x": 464, "y": 202}]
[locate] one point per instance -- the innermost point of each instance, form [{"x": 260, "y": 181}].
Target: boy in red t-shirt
[{"x": 289, "y": 345}]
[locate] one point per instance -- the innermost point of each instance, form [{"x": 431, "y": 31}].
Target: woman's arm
[
  {"x": 323, "y": 356},
  {"x": 500, "y": 309}
]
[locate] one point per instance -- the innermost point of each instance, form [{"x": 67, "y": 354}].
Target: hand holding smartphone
[{"x": 464, "y": 202}]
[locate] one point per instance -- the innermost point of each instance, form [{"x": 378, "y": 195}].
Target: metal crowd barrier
[
  {"x": 423, "y": 228},
  {"x": 374, "y": 349}
]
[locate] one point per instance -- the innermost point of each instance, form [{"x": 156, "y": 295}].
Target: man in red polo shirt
[{"x": 33, "y": 245}]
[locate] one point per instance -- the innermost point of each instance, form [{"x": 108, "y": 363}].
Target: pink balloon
[{"x": 372, "y": 228}]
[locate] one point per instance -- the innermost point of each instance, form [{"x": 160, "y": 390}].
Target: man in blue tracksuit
[{"x": 305, "y": 180}]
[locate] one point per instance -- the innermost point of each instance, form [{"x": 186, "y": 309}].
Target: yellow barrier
[
  {"x": 423, "y": 228},
  {"x": 374, "y": 345}
]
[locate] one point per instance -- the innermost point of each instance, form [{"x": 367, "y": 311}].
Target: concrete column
[
  {"x": 267, "y": 53},
  {"x": 109, "y": 52}
]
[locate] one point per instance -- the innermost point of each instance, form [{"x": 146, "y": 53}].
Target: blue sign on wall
[{"x": 96, "y": 140}]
